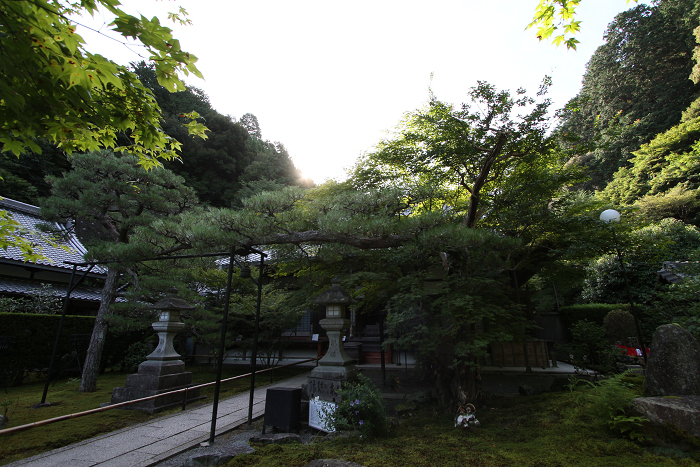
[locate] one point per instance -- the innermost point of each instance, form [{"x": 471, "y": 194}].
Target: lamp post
[
  {"x": 609, "y": 216},
  {"x": 245, "y": 274}
]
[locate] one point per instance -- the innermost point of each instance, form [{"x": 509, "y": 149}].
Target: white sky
[{"x": 328, "y": 78}]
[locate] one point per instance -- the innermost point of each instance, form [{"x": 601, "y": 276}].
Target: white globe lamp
[{"x": 610, "y": 215}]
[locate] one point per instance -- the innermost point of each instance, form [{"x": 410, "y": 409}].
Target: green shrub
[
  {"x": 593, "y": 312},
  {"x": 44, "y": 300},
  {"x": 136, "y": 354},
  {"x": 361, "y": 408},
  {"x": 33, "y": 336},
  {"x": 33, "y": 339},
  {"x": 619, "y": 325},
  {"x": 589, "y": 348}
]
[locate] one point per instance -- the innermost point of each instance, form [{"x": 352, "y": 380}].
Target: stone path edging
[{"x": 151, "y": 442}]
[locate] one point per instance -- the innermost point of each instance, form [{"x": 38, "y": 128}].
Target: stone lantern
[
  {"x": 163, "y": 370},
  {"x": 336, "y": 364}
]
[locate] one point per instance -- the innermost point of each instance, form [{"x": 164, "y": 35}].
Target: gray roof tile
[
  {"x": 24, "y": 287},
  {"x": 56, "y": 253}
]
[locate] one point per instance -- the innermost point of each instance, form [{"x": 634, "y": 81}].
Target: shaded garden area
[
  {"x": 561, "y": 429},
  {"x": 66, "y": 399}
]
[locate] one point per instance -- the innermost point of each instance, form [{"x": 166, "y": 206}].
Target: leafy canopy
[
  {"x": 467, "y": 152},
  {"x": 664, "y": 175},
  {"x": 52, "y": 87},
  {"x": 558, "y": 16}
]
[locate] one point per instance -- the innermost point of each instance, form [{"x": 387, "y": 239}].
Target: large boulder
[
  {"x": 668, "y": 417},
  {"x": 673, "y": 367}
]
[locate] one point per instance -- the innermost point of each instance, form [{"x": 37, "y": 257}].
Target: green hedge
[
  {"x": 593, "y": 312},
  {"x": 649, "y": 317},
  {"x": 34, "y": 336}
]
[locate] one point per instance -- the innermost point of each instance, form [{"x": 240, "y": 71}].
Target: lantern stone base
[
  {"x": 334, "y": 373},
  {"x": 156, "y": 377}
]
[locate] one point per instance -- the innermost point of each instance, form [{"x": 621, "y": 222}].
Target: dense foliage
[
  {"x": 636, "y": 86},
  {"x": 44, "y": 300},
  {"x": 33, "y": 336},
  {"x": 664, "y": 176},
  {"x": 53, "y": 88},
  {"x": 117, "y": 193},
  {"x": 233, "y": 162},
  {"x": 645, "y": 249},
  {"x": 441, "y": 228}
]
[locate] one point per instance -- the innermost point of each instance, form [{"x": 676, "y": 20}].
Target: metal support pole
[
  {"x": 381, "y": 349},
  {"x": 222, "y": 348},
  {"x": 254, "y": 357},
  {"x": 60, "y": 326},
  {"x": 629, "y": 299}
]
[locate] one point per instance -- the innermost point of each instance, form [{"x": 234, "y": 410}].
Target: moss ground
[
  {"x": 550, "y": 430},
  {"x": 65, "y": 399}
]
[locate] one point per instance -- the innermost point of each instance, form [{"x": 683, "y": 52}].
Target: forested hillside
[
  {"x": 636, "y": 86},
  {"x": 233, "y": 162}
]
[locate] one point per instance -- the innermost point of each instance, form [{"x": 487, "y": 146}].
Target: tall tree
[
  {"x": 635, "y": 86},
  {"x": 23, "y": 178},
  {"x": 271, "y": 169},
  {"x": 418, "y": 203},
  {"x": 52, "y": 88},
  {"x": 213, "y": 166},
  {"x": 120, "y": 195},
  {"x": 233, "y": 162},
  {"x": 468, "y": 150},
  {"x": 250, "y": 123}
]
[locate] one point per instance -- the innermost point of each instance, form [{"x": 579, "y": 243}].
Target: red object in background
[{"x": 633, "y": 351}]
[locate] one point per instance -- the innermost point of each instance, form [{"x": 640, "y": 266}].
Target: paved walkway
[{"x": 149, "y": 443}]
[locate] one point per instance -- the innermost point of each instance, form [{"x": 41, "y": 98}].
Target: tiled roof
[
  {"x": 24, "y": 287},
  {"x": 251, "y": 259},
  {"x": 672, "y": 271},
  {"x": 30, "y": 218}
]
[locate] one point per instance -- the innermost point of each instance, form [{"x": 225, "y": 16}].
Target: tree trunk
[
  {"x": 456, "y": 384},
  {"x": 91, "y": 367},
  {"x": 493, "y": 157}
]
